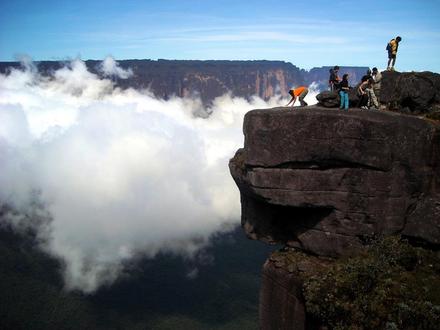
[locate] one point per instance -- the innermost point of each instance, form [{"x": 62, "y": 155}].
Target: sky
[{"x": 305, "y": 33}]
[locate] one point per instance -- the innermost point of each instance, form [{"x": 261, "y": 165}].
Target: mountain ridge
[{"x": 208, "y": 79}]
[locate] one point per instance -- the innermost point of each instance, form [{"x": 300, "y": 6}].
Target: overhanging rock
[{"x": 322, "y": 180}]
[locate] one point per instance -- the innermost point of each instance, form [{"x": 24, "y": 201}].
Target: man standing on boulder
[
  {"x": 299, "y": 92},
  {"x": 392, "y": 47},
  {"x": 334, "y": 79}
]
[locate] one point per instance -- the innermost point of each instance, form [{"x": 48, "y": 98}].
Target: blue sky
[{"x": 306, "y": 33}]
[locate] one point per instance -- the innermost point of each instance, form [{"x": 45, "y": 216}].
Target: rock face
[
  {"x": 281, "y": 297},
  {"x": 411, "y": 92},
  {"x": 321, "y": 180},
  {"x": 408, "y": 92},
  {"x": 329, "y": 99},
  {"x": 208, "y": 79}
]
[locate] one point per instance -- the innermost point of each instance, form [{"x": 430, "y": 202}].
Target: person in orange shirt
[{"x": 300, "y": 93}]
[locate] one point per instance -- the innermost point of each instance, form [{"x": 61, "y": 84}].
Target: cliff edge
[{"x": 323, "y": 181}]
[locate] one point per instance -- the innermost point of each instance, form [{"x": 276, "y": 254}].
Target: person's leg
[
  {"x": 368, "y": 91},
  {"x": 389, "y": 61},
  {"x": 374, "y": 99},
  {"x": 363, "y": 101},
  {"x": 346, "y": 101},
  {"x": 377, "y": 93},
  {"x": 341, "y": 96},
  {"x": 394, "y": 62},
  {"x": 302, "y": 96}
]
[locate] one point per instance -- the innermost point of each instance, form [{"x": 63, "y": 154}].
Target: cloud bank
[{"x": 106, "y": 174}]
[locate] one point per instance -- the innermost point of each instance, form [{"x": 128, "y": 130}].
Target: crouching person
[
  {"x": 298, "y": 93},
  {"x": 366, "y": 94}
]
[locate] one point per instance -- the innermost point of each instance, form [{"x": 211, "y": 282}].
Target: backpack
[{"x": 388, "y": 48}]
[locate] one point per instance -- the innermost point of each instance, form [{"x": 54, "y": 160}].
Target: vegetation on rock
[
  {"x": 392, "y": 285},
  {"x": 434, "y": 115}
]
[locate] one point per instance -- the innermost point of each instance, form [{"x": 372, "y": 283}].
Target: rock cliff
[
  {"x": 208, "y": 79},
  {"x": 323, "y": 181}
]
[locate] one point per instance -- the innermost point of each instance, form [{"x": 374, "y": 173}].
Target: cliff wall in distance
[{"x": 209, "y": 79}]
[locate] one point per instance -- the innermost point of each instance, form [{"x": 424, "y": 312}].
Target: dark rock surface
[
  {"x": 321, "y": 180},
  {"x": 282, "y": 304},
  {"x": 414, "y": 92},
  {"x": 329, "y": 99}
]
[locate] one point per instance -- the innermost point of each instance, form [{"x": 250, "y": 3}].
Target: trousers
[{"x": 344, "y": 100}]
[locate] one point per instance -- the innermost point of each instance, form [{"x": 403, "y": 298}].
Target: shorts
[{"x": 391, "y": 55}]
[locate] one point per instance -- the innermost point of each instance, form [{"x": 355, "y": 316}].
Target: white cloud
[
  {"x": 118, "y": 172},
  {"x": 111, "y": 68}
]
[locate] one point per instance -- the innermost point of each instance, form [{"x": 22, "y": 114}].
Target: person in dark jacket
[
  {"x": 343, "y": 92},
  {"x": 334, "y": 79}
]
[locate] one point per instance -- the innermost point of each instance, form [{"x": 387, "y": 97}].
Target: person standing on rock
[
  {"x": 300, "y": 93},
  {"x": 392, "y": 47},
  {"x": 343, "y": 92},
  {"x": 377, "y": 76},
  {"x": 334, "y": 79}
]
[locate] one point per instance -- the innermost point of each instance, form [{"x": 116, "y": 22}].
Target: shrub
[{"x": 392, "y": 285}]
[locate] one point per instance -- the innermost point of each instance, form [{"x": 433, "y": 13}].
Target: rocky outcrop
[
  {"x": 411, "y": 92},
  {"x": 321, "y": 180},
  {"x": 329, "y": 99},
  {"x": 282, "y": 304},
  {"x": 407, "y": 92}
]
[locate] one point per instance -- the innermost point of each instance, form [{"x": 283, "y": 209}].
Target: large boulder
[
  {"x": 322, "y": 180},
  {"x": 412, "y": 92},
  {"x": 329, "y": 99}
]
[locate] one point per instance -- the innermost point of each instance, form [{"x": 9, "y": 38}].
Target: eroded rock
[{"x": 321, "y": 180}]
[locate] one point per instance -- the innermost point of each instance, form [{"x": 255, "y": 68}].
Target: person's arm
[
  {"x": 378, "y": 78},
  {"x": 291, "y": 101},
  {"x": 360, "y": 90}
]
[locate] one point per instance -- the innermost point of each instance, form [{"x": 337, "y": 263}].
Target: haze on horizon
[{"x": 307, "y": 34}]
